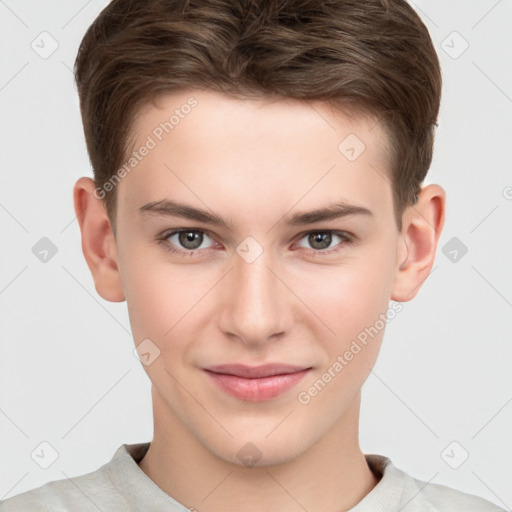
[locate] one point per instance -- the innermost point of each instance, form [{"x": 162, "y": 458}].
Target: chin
[{"x": 251, "y": 452}]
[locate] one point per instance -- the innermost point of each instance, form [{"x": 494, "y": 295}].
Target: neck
[{"x": 330, "y": 476}]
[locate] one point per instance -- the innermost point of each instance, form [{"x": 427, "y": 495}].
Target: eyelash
[{"x": 347, "y": 239}]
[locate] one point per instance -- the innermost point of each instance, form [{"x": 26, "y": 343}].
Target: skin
[{"x": 254, "y": 164}]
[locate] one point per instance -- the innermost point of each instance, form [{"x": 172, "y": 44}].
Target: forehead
[
  {"x": 254, "y": 154},
  {"x": 206, "y": 108}
]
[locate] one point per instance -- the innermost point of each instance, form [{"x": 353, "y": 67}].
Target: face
[{"x": 253, "y": 280}]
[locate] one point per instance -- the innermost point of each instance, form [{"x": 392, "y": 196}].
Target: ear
[
  {"x": 421, "y": 228},
  {"x": 98, "y": 242}
]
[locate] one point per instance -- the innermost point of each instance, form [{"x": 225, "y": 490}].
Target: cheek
[
  {"x": 155, "y": 309},
  {"x": 350, "y": 296},
  {"x": 153, "y": 293},
  {"x": 353, "y": 302},
  {"x": 164, "y": 300}
]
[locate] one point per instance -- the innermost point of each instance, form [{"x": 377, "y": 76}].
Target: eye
[
  {"x": 185, "y": 241},
  {"x": 321, "y": 241},
  {"x": 188, "y": 242}
]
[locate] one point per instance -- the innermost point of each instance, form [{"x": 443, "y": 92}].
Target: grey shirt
[{"x": 121, "y": 486}]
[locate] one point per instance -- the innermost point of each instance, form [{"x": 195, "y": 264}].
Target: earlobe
[
  {"x": 421, "y": 230},
  {"x": 98, "y": 243}
]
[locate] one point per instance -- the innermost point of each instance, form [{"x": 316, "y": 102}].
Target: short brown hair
[{"x": 372, "y": 56}]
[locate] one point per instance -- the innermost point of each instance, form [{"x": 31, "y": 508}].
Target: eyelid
[{"x": 340, "y": 232}]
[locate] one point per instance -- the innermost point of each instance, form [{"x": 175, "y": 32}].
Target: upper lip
[{"x": 254, "y": 372}]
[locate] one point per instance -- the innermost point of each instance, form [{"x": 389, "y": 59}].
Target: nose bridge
[{"x": 255, "y": 309}]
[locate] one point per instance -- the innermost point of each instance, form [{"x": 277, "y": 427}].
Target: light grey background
[{"x": 68, "y": 373}]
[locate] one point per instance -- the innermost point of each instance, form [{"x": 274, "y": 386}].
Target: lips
[
  {"x": 256, "y": 383},
  {"x": 255, "y": 372}
]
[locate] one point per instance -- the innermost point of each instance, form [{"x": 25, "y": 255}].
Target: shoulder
[
  {"x": 89, "y": 492},
  {"x": 84, "y": 493},
  {"x": 444, "y": 498},
  {"x": 414, "y": 495}
]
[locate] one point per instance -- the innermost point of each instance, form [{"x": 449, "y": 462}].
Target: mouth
[{"x": 256, "y": 383}]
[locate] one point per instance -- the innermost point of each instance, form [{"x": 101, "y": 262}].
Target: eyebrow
[{"x": 170, "y": 208}]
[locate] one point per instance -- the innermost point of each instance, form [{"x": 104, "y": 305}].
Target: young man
[{"x": 258, "y": 202}]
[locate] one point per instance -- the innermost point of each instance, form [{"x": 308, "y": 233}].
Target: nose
[{"x": 256, "y": 304}]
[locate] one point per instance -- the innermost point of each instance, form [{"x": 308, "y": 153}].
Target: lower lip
[{"x": 256, "y": 390}]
